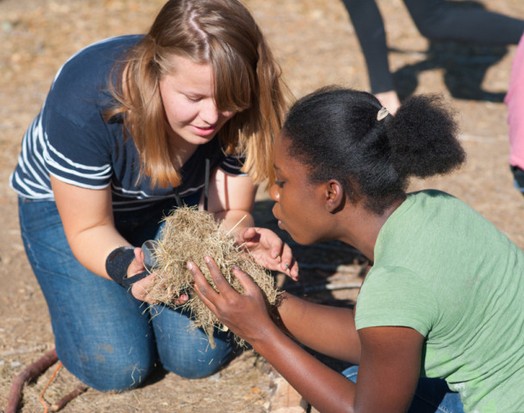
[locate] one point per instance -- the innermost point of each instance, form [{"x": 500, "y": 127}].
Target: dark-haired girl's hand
[
  {"x": 245, "y": 314},
  {"x": 269, "y": 250}
]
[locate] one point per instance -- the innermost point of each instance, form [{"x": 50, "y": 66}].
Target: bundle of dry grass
[{"x": 190, "y": 235}]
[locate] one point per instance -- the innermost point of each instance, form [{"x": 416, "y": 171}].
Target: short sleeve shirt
[
  {"x": 71, "y": 139},
  {"x": 445, "y": 271}
]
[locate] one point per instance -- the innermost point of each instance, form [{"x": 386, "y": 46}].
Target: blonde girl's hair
[{"x": 248, "y": 81}]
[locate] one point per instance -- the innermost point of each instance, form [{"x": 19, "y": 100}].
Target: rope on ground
[
  {"x": 41, "y": 397},
  {"x": 30, "y": 373}
]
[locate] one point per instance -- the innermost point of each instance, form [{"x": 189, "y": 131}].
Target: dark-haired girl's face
[{"x": 299, "y": 204}]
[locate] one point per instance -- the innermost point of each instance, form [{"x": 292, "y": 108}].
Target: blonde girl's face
[{"x": 189, "y": 102}]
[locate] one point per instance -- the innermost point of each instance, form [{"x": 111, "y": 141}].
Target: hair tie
[{"x": 382, "y": 113}]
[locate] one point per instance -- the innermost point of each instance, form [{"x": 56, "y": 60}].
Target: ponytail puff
[{"x": 423, "y": 138}]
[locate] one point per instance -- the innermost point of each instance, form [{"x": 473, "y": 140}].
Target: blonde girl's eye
[
  {"x": 193, "y": 98},
  {"x": 279, "y": 183}
]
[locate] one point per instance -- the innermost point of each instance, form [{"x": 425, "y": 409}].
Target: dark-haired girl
[{"x": 444, "y": 296}]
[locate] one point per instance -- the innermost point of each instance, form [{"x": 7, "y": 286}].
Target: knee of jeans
[
  {"x": 197, "y": 363},
  {"x": 111, "y": 375},
  {"x": 189, "y": 354},
  {"x": 196, "y": 369}
]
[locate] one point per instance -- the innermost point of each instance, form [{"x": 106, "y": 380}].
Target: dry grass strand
[{"x": 190, "y": 235}]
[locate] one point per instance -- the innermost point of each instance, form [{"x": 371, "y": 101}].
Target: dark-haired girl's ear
[{"x": 335, "y": 198}]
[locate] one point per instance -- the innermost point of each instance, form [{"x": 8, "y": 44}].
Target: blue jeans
[
  {"x": 104, "y": 336},
  {"x": 431, "y": 395}
]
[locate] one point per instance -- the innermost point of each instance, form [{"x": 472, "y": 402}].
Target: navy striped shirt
[{"x": 70, "y": 139}]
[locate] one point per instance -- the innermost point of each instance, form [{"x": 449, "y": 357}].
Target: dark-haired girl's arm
[
  {"x": 319, "y": 327},
  {"x": 389, "y": 368},
  {"x": 390, "y": 362}
]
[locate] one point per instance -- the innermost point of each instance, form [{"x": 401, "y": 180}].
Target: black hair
[{"x": 337, "y": 133}]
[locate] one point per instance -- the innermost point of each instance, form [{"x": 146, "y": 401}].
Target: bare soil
[{"x": 316, "y": 45}]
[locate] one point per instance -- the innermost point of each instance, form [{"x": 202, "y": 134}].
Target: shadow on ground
[{"x": 464, "y": 66}]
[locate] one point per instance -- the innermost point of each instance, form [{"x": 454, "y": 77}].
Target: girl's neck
[
  {"x": 180, "y": 150},
  {"x": 363, "y": 226}
]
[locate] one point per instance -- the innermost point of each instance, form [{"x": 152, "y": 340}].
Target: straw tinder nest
[{"x": 189, "y": 235}]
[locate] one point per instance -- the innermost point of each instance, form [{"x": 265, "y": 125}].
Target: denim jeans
[
  {"x": 431, "y": 395},
  {"x": 104, "y": 336}
]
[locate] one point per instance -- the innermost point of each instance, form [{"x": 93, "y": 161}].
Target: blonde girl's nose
[{"x": 209, "y": 112}]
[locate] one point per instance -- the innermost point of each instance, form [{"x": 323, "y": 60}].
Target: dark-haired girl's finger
[
  {"x": 221, "y": 283},
  {"x": 204, "y": 291}
]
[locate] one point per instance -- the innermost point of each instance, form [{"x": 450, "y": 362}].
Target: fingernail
[{"x": 189, "y": 266}]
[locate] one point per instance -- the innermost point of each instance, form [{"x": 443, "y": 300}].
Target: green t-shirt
[{"x": 445, "y": 271}]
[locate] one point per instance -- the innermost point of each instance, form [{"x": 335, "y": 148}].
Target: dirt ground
[{"x": 315, "y": 44}]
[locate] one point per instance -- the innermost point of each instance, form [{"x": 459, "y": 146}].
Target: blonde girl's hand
[
  {"x": 144, "y": 282},
  {"x": 125, "y": 265},
  {"x": 139, "y": 289},
  {"x": 269, "y": 250}
]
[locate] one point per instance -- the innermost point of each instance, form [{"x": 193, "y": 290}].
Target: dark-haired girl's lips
[{"x": 273, "y": 211}]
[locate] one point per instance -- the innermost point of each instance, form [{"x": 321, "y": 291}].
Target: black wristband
[{"x": 117, "y": 263}]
